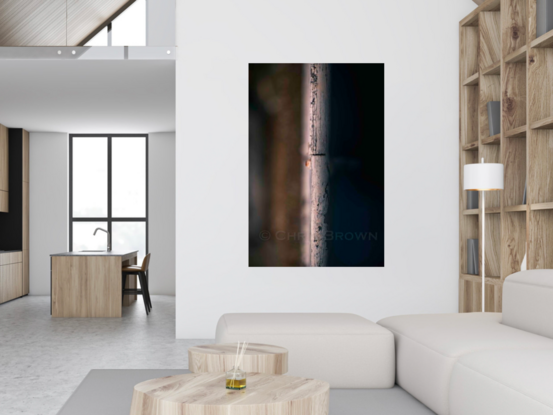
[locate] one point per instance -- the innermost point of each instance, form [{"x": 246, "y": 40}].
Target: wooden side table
[
  {"x": 260, "y": 358},
  {"x": 205, "y": 394}
]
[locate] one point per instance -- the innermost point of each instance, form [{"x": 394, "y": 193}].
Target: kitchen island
[{"x": 88, "y": 284}]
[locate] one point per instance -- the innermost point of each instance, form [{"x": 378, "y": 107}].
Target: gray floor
[
  {"x": 43, "y": 360},
  {"x": 109, "y": 392}
]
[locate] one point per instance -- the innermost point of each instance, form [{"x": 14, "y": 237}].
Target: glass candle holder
[{"x": 236, "y": 379}]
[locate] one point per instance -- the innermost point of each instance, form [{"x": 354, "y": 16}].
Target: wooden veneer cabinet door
[
  {"x": 86, "y": 286},
  {"x": 10, "y": 282}
]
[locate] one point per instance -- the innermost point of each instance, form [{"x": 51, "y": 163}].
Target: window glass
[
  {"x": 101, "y": 38},
  {"x": 129, "y": 28},
  {"x": 90, "y": 177},
  {"x": 128, "y": 156},
  {"x": 130, "y": 236},
  {"x": 84, "y": 238}
]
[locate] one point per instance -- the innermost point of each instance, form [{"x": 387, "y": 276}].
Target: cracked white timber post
[{"x": 319, "y": 131}]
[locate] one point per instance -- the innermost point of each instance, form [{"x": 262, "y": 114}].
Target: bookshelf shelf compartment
[
  {"x": 543, "y": 124},
  {"x": 518, "y": 56},
  {"x": 515, "y": 208},
  {"x": 471, "y": 147},
  {"x": 519, "y": 132},
  {"x": 472, "y": 80},
  {"x": 495, "y": 139},
  {"x": 543, "y": 42},
  {"x": 478, "y": 279},
  {"x": 494, "y": 69},
  {"x": 470, "y": 212},
  {"x": 541, "y": 206}
]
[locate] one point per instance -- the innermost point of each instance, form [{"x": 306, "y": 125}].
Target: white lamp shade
[{"x": 483, "y": 176}]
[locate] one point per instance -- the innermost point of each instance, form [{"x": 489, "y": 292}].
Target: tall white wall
[
  {"x": 160, "y": 22},
  {"x": 48, "y": 212},
  {"x": 418, "y": 42},
  {"x": 162, "y": 212}
]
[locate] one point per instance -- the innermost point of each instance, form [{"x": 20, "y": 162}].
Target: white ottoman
[{"x": 346, "y": 350}]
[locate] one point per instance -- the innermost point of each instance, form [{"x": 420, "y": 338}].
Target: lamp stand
[{"x": 483, "y": 251}]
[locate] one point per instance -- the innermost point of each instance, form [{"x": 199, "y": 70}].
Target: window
[
  {"x": 108, "y": 185},
  {"x": 127, "y": 29}
]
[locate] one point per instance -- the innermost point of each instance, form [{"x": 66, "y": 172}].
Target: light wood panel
[
  {"x": 490, "y": 90},
  {"x": 205, "y": 394},
  {"x": 514, "y": 161},
  {"x": 490, "y": 40},
  {"x": 540, "y": 84},
  {"x": 513, "y": 244},
  {"x": 469, "y": 51},
  {"x": 513, "y": 105},
  {"x": 540, "y": 171},
  {"x": 540, "y": 254},
  {"x": 518, "y": 56},
  {"x": 473, "y": 17},
  {"x": 472, "y": 80},
  {"x": 86, "y": 286},
  {"x": 260, "y": 358},
  {"x": 494, "y": 139},
  {"x": 519, "y": 132},
  {"x": 4, "y": 160},
  {"x": 11, "y": 258},
  {"x": 4, "y": 201},
  {"x": 10, "y": 282},
  {"x": 513, "y": 25}
]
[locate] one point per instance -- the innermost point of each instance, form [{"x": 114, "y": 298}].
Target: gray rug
[{"x": 109, "y": 392}]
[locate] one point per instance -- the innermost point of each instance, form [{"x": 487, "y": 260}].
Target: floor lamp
[{"x": 483, "y": 177}]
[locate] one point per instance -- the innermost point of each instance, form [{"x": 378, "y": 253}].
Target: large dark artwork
[{"x": 316, "y": 165}]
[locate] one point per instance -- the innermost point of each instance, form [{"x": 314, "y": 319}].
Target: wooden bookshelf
[{"x": 501, "y": 60}]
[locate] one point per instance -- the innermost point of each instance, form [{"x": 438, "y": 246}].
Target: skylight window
[{"x": 127, "y": 29}]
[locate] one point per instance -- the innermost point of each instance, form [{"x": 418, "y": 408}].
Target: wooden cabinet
[
  {"x": 11, "y": 281},
  {"x": 4, "y": 167}
]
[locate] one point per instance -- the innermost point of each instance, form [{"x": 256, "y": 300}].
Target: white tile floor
[{"x": 43, "y": 360}]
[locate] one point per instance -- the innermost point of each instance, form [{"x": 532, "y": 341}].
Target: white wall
[
  {"x": 418, "y": 42},
  {"x": 162, "y": 212},
  {"x": 48, "y": 220},
  {"x": 160, "y": 22}
]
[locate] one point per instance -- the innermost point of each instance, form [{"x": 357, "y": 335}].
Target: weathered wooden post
[
  {"x": 306, "y": 167},
  {"x": 319, "y": 131}
]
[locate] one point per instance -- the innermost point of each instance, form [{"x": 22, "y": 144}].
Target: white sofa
[
  {"x": 345, "y": 350},
  {"x": 482, "y": 363}
]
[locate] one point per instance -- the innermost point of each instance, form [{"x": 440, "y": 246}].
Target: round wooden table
[
  {"x": 260, "y": 358},
  {"x": 205, "y": 394}
]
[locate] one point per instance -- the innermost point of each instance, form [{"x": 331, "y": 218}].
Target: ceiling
[
  {"x": 88, "y": 96},
  {"x": 55, "y": 22}
]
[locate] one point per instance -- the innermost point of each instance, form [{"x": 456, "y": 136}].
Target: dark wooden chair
[{"x": 140, "y": 271}]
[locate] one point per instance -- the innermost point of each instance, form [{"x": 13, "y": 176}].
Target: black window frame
[{"x": 109, "y": 218}]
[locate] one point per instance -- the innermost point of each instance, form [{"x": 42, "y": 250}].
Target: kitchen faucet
[{"x": 109, "y": 237}]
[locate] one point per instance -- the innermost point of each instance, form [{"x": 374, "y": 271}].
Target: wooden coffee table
[
  {"x": 205, "y": 394},
  {"x": 260, "y": 358}
]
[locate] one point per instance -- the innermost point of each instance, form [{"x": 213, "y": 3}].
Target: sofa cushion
[
  {"x": 346, "y": 350},
  {"x": 528, "y": 301},
  {"x": 427, "y": 347},
  {"x": 503, "y": 382}
]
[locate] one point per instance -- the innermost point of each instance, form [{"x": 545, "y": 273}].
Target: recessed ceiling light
[
  {"x": 168, "y": 52},
  {"x": 73, "y": 52},
  {"x": 59, "y": 52}
]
